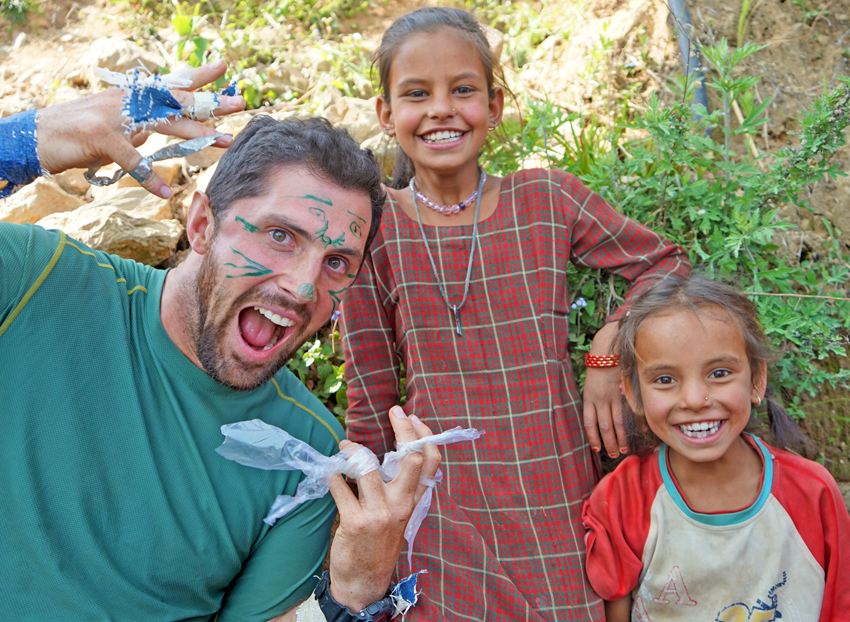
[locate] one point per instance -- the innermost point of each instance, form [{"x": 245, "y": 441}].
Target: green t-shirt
[{"x": 114, "y": 504}]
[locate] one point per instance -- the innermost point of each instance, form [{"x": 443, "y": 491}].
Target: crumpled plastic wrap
[{"x": 262, "y": 446}]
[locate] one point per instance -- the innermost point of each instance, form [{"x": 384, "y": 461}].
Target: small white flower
[
  {"x": 578, "y": 304},
  {"x": 701, "y": 212}
]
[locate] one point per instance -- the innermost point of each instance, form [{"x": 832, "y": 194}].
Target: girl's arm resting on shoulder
[
  {"x": 618, "y": 610},
  {"x": 371, "y": 363},
  {"x": 602, "y": 237}
]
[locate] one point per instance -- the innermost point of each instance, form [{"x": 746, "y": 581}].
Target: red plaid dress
[{"x": 504, "y": 539}]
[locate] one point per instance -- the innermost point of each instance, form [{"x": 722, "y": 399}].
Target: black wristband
[{"x": 379, "y": 611}]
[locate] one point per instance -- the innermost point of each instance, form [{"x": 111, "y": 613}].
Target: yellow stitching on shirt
[
  {"x": 289, "y": 399},
  {"x": 138, "y": 288},
  {"x": 56, "y": 254},
  {"x": 102, "y": 265}
]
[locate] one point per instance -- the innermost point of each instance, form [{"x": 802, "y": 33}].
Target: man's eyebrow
[
  {"x": 349, "y": 252},
  {"x": 276, "y": 220}
]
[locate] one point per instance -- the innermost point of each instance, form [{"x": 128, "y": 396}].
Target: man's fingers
[
  {"x": 126, "y": 156},
  {"x": 345, "y": 500},
  {"x": 402, "y": 426},
  {"x": 181, "y": 127},
  {"x": 203, "y": 75}
]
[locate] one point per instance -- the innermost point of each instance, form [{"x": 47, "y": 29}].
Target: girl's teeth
[
  {"x": 700, "y": 430},
  {"x": 441, "y": 137}
]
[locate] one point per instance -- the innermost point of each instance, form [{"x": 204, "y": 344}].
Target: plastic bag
[{"x": 262, "y": 446}]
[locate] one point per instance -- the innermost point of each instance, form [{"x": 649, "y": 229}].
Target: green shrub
[{"x": 722, "y": 208}]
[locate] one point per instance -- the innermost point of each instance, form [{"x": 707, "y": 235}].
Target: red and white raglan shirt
[{"x": 786, "y": 556}]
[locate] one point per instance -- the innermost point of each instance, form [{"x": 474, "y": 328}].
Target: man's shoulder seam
[{"x": 302, "y": 407}]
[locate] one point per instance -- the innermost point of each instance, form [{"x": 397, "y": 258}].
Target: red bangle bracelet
[{"x": 601, "y": 361}]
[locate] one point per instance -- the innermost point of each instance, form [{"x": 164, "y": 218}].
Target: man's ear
[
  {"x": 385, "y": 116},
  {"x": 200, "y": 223}
]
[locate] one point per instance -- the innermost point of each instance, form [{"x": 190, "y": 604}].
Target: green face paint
[
  {"x": 257, "y": 269},
  {"x": 326, "y": 239},
  {"x": 314, "y": 198},
  {"x": 248, "y": 226},
  {"x": 305, "y": 290},
  {"x": 336, "y": 298},
  {"x": 355, "y": 227},
  {"x": 318, "y": 213}
]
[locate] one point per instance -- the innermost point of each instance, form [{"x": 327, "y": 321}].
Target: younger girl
[
  {"x": 708, "y": 522},
  {"x": 473, "y": 299}
]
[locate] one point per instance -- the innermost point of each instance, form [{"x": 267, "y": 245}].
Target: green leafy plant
[
  {"x": 721, "y": 206},
  {"x": 319, "y": 365},
  {"x": 16, "y": 10},
  {"x": 188, "y": 26}
]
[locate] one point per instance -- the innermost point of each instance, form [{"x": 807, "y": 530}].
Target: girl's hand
[
  {"x": 89, "y": 132},
  {"x": 603, "y": 409}
]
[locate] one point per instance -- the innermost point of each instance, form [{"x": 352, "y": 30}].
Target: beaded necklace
[
  {"x": 454, "y": 308},
  {"x": 447, "y": 210}
]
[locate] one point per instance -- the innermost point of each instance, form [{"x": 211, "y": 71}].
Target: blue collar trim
[{"x": 720, "y": 520}]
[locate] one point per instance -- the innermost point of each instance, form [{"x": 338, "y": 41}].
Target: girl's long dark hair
[{"x": 699, "y": 296}]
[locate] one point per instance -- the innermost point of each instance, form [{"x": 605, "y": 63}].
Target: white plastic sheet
[{"x": 262, "y": 446}]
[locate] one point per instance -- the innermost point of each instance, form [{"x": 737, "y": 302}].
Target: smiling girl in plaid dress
[{"x": 466, "y": 285}]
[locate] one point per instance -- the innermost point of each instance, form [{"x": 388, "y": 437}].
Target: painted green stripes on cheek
[
  {"x": 247, "y": 225},
  {"x": 335, "y": 297},
  {"x": 255, "y": 268}
]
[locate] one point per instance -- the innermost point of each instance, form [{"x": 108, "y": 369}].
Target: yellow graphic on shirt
[{"x": 761, "y": 612}]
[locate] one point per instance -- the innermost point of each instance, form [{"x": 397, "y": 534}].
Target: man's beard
[{"x": 244, "y": 376}]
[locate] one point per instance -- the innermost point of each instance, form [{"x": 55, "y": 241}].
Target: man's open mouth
[{"x": 261, "y": 328}]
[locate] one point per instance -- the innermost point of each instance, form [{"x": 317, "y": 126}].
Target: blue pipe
[{"x": 690, "y": 55}]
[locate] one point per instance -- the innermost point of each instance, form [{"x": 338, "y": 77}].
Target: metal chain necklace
[
  {"x": 454, "y": 308},
  {"x": 446, "y": 210}
]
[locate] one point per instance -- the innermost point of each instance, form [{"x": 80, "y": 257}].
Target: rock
[
  {"x": 283, "y": 77},
  {"x": 199, "y": 183},
  {"x": 35, "y": 201},
  {"x": 73, "y": 181},
  {"x": 168, "y": 170},
  {"x": 19, "y": 101},
  {"x": 136, "y": 202},
  {"x": 64, "y": 94},
  {"x": 113, "y": 231},
  {"x": 496, "y": 40},
  {"x": 355, "y": 115},
  {"x": 385, "y": 150},
  {"x": 204, "y": 158},
  {"x": 117, "y": 54},
  {"x": 234, "y": 123}
]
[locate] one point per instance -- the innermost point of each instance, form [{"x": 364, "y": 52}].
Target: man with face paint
[{"x": 117, "y": 378}]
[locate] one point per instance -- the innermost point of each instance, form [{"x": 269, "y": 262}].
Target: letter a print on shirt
[{"x": 675, "y": 585}]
